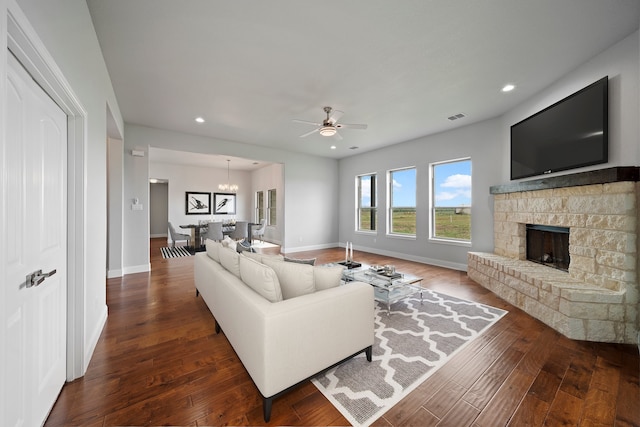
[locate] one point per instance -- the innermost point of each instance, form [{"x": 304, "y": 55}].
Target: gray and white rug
[{"x": 410, "y": 345}]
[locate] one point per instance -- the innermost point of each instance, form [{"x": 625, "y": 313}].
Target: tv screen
[{"x": 569, "y": 134}]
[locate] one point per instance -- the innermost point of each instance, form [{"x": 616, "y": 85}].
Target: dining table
[{"x": 196, "y": 236}]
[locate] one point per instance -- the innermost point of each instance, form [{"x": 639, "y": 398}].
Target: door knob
[{"x": 37, "y": 277}]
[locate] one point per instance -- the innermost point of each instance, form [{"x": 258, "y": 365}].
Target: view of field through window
[
  {"x": 402, "y": 212},
  {"x": 451, "y": 217}
]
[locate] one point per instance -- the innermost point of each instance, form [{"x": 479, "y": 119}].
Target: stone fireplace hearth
[{"x": 597, "y": 298}]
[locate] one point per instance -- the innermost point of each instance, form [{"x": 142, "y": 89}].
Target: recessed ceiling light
[
  {"x": 199, "y": 120},
  {"x": 333, "y": 147},
  {"x": 508, "y": 88}
]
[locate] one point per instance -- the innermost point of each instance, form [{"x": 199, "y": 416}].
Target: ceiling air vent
[
  {"x": 456, "y": 116},
  {"x": 353, "y": 147}
]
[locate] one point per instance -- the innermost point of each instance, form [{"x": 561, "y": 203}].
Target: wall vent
[{"x": 456, "y": 116}]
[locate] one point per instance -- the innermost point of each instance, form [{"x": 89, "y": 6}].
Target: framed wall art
[
  {"x": 224, "y": 203},
  {"x": 197, "y": 203}
]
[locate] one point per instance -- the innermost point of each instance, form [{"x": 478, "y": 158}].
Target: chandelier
[{"x": 228, "y": 187}]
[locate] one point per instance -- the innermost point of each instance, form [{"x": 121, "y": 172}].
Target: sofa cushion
[
  {"x": 327, "y": 277},
  {"x": 259, "y": 257},
  {"x": 213, "y": 249},
  {"x": 229, "y": 259},
  {"x": 261, "y": 278},
  {"x": 310, "y": 261},
  {"x": 295, "y": 279}
]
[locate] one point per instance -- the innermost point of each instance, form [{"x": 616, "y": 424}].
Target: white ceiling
[{"x": 402, "y": 67}]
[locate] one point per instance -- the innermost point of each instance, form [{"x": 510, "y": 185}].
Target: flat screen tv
[{"x": 571, "y": 133}]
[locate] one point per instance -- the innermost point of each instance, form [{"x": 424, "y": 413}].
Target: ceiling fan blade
[
  {"x": 335, "y": 116},
  {"x": 309, "y": 133},
  {"x": 351, "y": 126},
  {"x": 307, "y": 122},
  {"x": 338, "y": 136}
]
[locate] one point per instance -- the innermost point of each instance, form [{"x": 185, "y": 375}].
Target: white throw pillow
[
  {"x": 228, "y": 242},
  {"x": 295, "y": 279},
  {"x": 213, "y": 249},
  {"x": 260, "y": 278},
  {"x": 229, "y": 259},
  {"x": 327, "y": 277}
]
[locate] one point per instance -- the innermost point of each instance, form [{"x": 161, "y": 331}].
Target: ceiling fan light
[{"x": 327, "y": 131}]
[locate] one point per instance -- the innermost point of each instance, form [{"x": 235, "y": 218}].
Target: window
[
  {"x": 259, "y": 206},
  {"x": 271, "y": 207},
  {"x": 402, "y": 201},
  {"x": 451, "y": 200},
  {"x": 367, "y": 203}
]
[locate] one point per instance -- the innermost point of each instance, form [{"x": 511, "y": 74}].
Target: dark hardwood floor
[{"x": 160, "y": 362}]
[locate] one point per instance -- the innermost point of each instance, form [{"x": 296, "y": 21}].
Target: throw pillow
[
  {"x": 310, "y": 261},
  {"x": 295, "y": 279},
  {"x": 229, "y": 242},
  {"x": 260, "y": 278},
  {"x": 243, "y": 246},
  {"x": 229, "y": 259},
  {"x": 213, "y": 249},
  {"x": 327, "y": 277}
]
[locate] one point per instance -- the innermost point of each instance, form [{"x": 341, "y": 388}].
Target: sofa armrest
[{"x": 307, "y": 334}]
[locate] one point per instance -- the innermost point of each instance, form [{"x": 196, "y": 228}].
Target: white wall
[
  {"x": 201, "y": 179},
  {"x": 310, "y": 198},
  {"x": 621, "y": 63},
  {"x": 115, "y": 207},
  {"x": 265, "y": 179},
  {"x": 66, "y": 30},
  {"x": 478, "y": 141}
]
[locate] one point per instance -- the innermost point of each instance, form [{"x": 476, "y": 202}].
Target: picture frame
[
  {"x": 224, "y": 203},
  {"x": 197, "y": 203}
]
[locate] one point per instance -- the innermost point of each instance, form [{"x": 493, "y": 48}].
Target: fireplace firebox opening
[{"x": 548, "y": 245}]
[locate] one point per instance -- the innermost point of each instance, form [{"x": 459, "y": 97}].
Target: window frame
[
  {"x": 272, "y": 207},
  {"x": 373, "y": 208},
  {"x": 390, "y": 206},
  {"x": 432, "y": 205},
  {"x": 260, "y": 207}
]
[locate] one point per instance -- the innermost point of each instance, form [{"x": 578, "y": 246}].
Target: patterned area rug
[
  {"x": 176, "y": 252},
  {"x": 410, "y": 345}
]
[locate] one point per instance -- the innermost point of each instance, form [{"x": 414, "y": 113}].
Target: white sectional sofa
[{"x": 286, "y": 321}]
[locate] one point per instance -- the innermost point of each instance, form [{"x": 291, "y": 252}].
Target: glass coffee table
[{"x": 388, "y": 289}]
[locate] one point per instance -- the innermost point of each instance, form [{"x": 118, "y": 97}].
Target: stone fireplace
[{"x": 593, "y": 292}]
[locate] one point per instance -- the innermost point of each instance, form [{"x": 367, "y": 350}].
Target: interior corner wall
[
  {"x": 115, "y": 187},
  {"x": 135, "y": 244},
  {"x": 265, "y": 179}
]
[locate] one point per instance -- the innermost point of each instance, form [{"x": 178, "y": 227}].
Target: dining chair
[
  {"x": 175, "y": 236},
  {"x": 259, "y": 231},
  {"x": 215, "y": 231},
  {"x": 240, "y": 232}
]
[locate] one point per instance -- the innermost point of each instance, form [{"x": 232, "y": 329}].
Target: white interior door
[{"x": 34, "y": 238}]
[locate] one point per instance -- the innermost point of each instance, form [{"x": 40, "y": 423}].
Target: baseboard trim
[
  {"x": 114, "y": 273},
  {"x": 94, "y": 338},
  {"x": 308, "y": 248},
  {"x": 143, "y": 268},
  {"x": 423, "y": 260}
]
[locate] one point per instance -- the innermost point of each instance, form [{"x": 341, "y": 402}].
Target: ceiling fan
[{"x": 330, "y": 125}]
